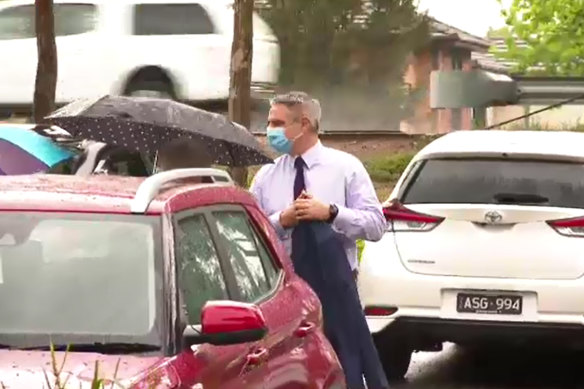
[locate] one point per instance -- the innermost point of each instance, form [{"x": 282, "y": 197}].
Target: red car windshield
[{"x": 85, "y": 277}]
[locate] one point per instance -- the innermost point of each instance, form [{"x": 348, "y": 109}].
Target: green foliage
[
  {"x": 538, "y": 126},
  {"x": 388, "y": 169},
  {"x": 502, "y": 32},
  {"x": 554, "y": 33},
  {"x": 360, "y": 247},
  {"x": 325, "y": 50}
]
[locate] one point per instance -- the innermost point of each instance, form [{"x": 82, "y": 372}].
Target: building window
[
  {"x": 434, "y": 121},
  {"x": 456, "y": 119},
  {"x": 457, "y": 59},
  {"x": 435, "y": 53},
  {"x": 479, "y": 117}
]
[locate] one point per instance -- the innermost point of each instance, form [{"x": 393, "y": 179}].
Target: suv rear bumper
[
  {"x": 423, "y": 331},
  {"x": 385, "y": 282}
]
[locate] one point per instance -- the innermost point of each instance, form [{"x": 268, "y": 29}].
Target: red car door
[
  {"x": 263, "y": 281},
  {"x": 205, "y": 273},
  {"x": 232, "y": 254}
]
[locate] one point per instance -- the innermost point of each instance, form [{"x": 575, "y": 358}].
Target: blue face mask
[{"x": 278, "y": 141}]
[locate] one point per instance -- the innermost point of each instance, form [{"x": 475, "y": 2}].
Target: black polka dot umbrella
[{"x": 147, "y": 124}]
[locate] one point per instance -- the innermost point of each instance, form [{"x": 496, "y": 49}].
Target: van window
[
  {"x": 70, "y": 19},
  {"x": 171, "y": 19}
]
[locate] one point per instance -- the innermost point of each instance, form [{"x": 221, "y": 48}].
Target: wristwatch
[{"x": 333, "y": 211}]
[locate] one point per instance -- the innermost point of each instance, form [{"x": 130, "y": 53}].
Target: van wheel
[
  {"x": 395, "y": 356},
  {"x": 155, "y": 89}
]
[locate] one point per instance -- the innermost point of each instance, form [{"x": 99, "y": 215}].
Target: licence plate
[{"x": 489, "y": 304}]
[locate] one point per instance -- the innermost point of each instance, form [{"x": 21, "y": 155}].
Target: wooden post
[
  {"x": 240, "y": 80},
  {"x": 46, "y": 75}
]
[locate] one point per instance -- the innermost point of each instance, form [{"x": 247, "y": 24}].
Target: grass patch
[
  {"x": 383, "y": 189},
  {"x": 538, "y": 126},
  {"x": 385, "y": 171},
  {"x": 388, "y": 169}
]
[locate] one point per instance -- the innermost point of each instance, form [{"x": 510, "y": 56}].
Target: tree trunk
[
  {"x": 46, "y": 76},
  {"x": 240, "y": 80}
]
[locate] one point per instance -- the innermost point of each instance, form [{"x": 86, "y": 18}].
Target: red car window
[
  {"x": 244, "y": 256},
  {"x": 200, "y": 275}
]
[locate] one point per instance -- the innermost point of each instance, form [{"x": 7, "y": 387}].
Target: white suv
[
  {"x": 178, "y": 48},
  {"x": 485, "y": 244}
]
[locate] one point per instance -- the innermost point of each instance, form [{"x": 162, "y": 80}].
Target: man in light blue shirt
[{"x": 334, "y": 185}]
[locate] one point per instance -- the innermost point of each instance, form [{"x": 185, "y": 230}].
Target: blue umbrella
[{"x": 24, "y": 151}]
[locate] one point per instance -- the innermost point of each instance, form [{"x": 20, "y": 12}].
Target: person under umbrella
[{"x": 180, "y": 154}]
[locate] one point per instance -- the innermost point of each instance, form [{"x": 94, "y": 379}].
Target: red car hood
[{"x": 25, "y": 369}]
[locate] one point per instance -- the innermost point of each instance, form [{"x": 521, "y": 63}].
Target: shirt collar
[{"x": 312, "y": 155}]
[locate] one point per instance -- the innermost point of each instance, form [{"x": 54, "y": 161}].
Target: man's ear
[{"x": 306, "y": 125}]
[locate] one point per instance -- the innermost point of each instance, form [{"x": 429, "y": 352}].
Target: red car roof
[{"x": 107, "y": 194}]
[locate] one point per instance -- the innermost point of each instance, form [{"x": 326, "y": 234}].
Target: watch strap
[{"x": 334, "y": 211}]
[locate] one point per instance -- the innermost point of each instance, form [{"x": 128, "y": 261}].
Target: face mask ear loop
[{"x": 297, "y": 137}]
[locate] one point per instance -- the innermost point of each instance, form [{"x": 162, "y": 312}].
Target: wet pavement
[{"x": 457, "y": 368}]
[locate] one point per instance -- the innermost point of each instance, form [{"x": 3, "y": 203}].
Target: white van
[{"x": 179, "y": 49}]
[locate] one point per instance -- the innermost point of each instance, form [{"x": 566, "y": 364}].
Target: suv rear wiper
[
  {"x": 103, "y": 348},
  {"x": 520, "y": 198}
]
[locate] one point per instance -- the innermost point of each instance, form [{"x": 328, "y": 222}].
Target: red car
[{"x": 178, "y": 277}]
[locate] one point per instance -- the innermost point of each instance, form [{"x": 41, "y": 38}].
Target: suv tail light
[
  {"x": 568, "y": 227},
  {"x": 375, "y": 310},
  {"x": 401, "y": 218}
]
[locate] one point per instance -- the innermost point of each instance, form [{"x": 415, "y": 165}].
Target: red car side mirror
[{"x": 228, "y": 322}]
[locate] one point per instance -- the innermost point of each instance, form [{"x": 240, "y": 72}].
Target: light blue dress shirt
[{"x": 333, "y": 177}]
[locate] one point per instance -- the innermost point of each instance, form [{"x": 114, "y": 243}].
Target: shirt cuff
[
  {"x": 343, "y": 219},
  {"x": 275, "y": 220}
]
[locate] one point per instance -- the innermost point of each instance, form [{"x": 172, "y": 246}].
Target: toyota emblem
[{"x": 493, "y": 217}]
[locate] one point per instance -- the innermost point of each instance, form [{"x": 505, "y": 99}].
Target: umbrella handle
[
  {"x": 155, "y": 166},
  {"x": 100, "y": 168}
]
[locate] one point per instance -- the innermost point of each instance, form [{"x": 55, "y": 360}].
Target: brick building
[{"x": 449, "y": 49}]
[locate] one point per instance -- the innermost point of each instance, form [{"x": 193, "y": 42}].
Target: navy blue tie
[
  {"x": 299, "y": 184},
  {"x": 298, "y": 234}
]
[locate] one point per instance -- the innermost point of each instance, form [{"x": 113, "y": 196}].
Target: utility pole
[
  {"x": 46, "y": 75},
  {"x": 240, "y": 76}
]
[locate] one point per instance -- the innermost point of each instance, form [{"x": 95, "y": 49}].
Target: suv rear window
[
  {"x": 70, "y": 19},
  {"x": 480, "y": 181}
]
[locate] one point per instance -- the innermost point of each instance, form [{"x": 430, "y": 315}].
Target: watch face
[{"x": 334, "y": 210}]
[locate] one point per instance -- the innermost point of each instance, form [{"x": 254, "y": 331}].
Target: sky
[{"x": 473, "y": 16}]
